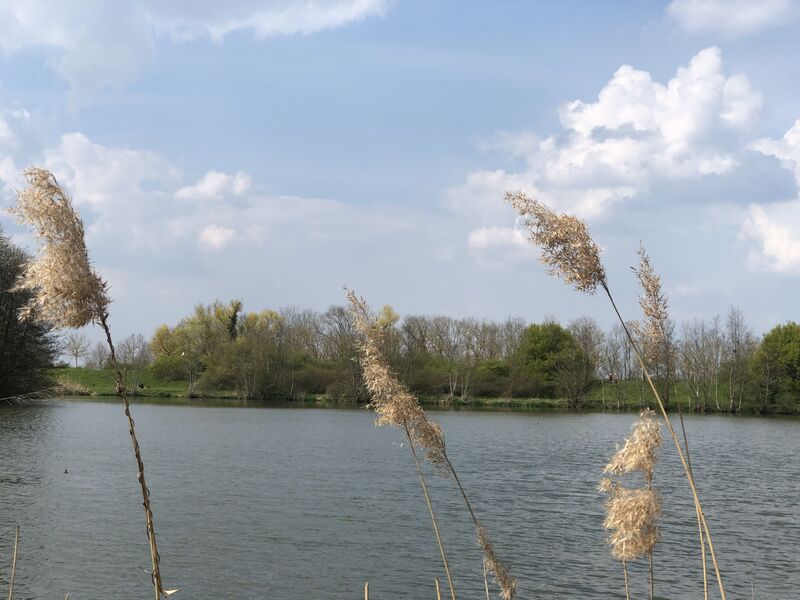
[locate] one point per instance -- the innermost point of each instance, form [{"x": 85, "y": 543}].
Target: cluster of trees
[
  {"x": 717, "y": 365},
  {"x": 26, "y": 348}
]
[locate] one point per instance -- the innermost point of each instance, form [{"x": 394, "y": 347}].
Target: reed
[
  {"x": 572, "y": 255},
  {"x": 67, "y": 292},
  {"x": 13, "y": 566},
  {"x": 396, "y": 406},
  {"x": 632, "y": 514}
]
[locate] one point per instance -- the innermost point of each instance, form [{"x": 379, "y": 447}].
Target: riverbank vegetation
[
  {"x": 291, "y": 354},
  {"x": 27, "y": 348}
]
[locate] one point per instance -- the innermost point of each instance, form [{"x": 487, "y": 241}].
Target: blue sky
[{"x": 276, "y": 151}]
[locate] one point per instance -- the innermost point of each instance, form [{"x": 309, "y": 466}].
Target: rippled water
[{"x": 308, "y": 503}]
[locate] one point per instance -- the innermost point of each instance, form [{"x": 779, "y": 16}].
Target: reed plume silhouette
[
  {"x": 571, "y": 254},
  {"x": 396, "y": 406},
  {"x": 69, "y": 293}
]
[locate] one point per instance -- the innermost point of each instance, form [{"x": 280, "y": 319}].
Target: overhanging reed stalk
[
  {"x": 397, "y": 406},
  {"x": 68, "y": 293},
  {"x": 571, "y": 254}
]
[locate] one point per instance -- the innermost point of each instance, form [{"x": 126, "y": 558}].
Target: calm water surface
[{"x": 308, "y": 503}]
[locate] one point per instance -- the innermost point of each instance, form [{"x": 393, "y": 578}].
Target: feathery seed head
[
  {"x": 652, "y": 300},
  {"x": 632, "y": 520},
  {"x": 391, "y": 400},
  {"x": 502, "y": 575},
  {"x": 639, "y": 451},
  {"x": 67, "y": 291},
  {"x": 567, "y": 247}
]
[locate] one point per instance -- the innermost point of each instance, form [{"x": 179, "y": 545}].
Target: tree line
[
  {"x": 718, "y": 365},
  {"x": 705, "y": 365}
]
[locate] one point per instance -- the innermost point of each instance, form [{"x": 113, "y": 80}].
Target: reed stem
[
  {"x": 699, "y": 523},
  {"x": 13, "y": 566},
  {"x": 671, "y": 429},
  {"x": 433, "y": 516},
  {"x": 438, "y": 591},
  {"x": 625, "y": 574},
  {"x": 151, "y": 533}
]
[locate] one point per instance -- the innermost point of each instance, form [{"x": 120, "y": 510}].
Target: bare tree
[
  {"x": 134, "y": 356},
  {"x": 740, "y": 344},
  {"x": 99, "y": 356},
  {"x": 76, "y": 345}
]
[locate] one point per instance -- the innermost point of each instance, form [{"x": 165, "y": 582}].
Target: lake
[{"x": 294, "y": 503}]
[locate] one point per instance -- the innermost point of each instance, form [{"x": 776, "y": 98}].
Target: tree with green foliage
[
  {"x": 776, "y": 369},
  {"x": 27, "y": 347},
  {"x": 557, "y": 363}
]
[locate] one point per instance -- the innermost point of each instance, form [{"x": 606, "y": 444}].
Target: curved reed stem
[
  {"x": 148, "y": 513},
  {"x": 687, "y": 469},
  {"x": 699, "y": 523},
  {"x": 433, "y": 516}
]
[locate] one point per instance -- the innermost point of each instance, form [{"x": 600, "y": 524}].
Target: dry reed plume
[
  {"x": 68, "y": 293},
  {"x": 632, "y": 514},
  {"x": 571, "y": 254},
  {"x": 396, "y": 406}
]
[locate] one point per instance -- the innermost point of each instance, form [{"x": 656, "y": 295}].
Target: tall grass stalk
[
  {"x": 395, "y": 405},
  {"x": 68, "y": 293},
  {"x": 13, "y": 566},
  {"x": 699, "y": 523},
  {"x": 571, "y": 254}
]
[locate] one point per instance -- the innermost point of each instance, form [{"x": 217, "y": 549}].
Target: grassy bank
[
  {"x": 81, "y": 381},
  {"x": 625, "y": 395}
]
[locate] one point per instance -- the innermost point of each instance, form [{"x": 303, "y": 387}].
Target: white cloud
[
  {"x": 637, "y": 132},
  {"x": 215, "y": 185},
  {"x": 729, "y": 17},
  {"x": 95, "y": 44},
  {"x": 787, "y": 149},
  {"x": 107, "y": 176},
  {"x": 776, "y": 227},
  {"x": 216, "y": 237},
  {"x": 496, "y": 246},
  {"x": 776, "y": 230}
]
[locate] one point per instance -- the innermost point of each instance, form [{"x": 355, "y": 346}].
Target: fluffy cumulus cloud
[
  {"x": 775, "y": 228},
  {"x": 95, "y": 44},
  {"x": 637, "y": 132},
  {"x": 729, "y": 17},
  {"x": 214, "y": 185}
]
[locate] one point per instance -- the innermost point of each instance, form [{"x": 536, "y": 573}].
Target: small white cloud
[
  {"x": 216, "y": 237},
  {"x": 716, "y": 165},
  {"x": 215, "y": 185},
  {"x": 786, "y": 149},
  {"x": 105, "y": 175},
  {"x": 499, "y": 246},
  {"x": 776, "y": 230},
  {"x": 496, "y": 237},
  {"x": 729, "y": 17}
]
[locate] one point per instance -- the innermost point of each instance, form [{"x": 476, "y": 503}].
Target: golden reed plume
[
  {"x": 571, "y": 254},
  {"x": 68, "y": 293},
  {"x": 396, "y": 406}
]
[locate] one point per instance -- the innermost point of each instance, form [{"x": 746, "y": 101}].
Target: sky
[{"x": 275, "y": 151}]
